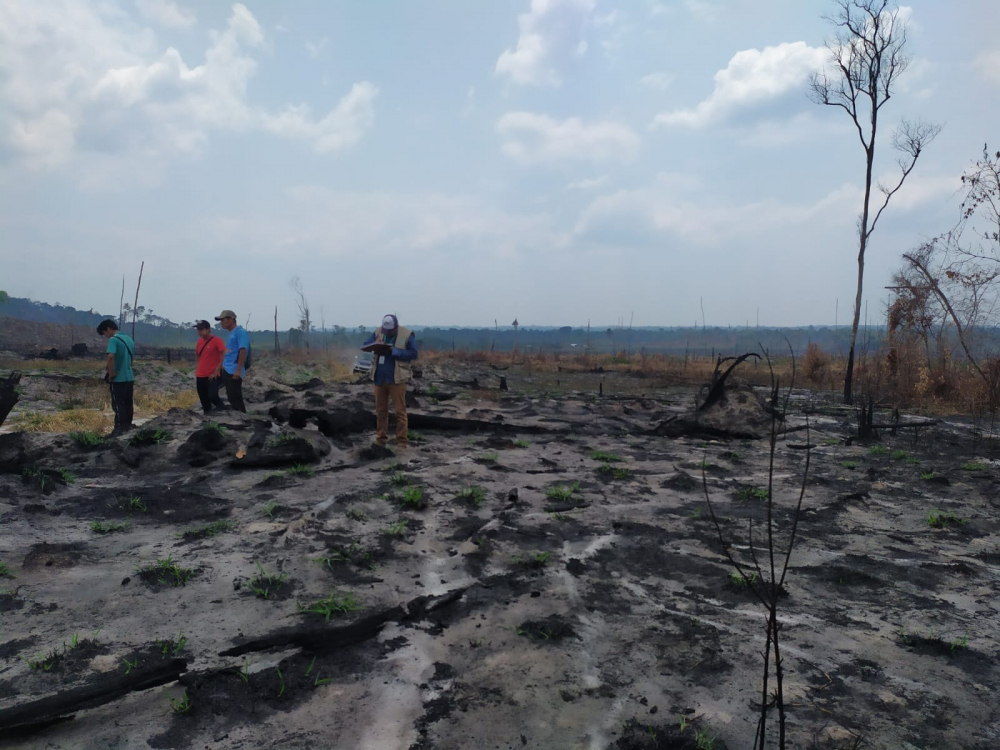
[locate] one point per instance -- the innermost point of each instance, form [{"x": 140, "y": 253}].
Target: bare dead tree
[
  {"x": 767, "y": 580},
  {"x": 867, "y": 56},
  {"x": 963, "y": 275},
  {"x": 303, "y": 304},
  {"x": 973, "y": 291},
  {"x": 277, "y": 346},
  {"x": 982, "y": 204},
  {"x": 121, "y": 305},
  {"x": 135, "y": 305}
]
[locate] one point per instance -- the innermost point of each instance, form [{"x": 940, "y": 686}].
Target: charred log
[{"x": 8, "y": 394}]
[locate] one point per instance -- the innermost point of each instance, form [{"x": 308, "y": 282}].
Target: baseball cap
[
  {"x": 202, "y": 324},
  {"x": 226, "y": 314},
  {"x": 388, "y": 322}
]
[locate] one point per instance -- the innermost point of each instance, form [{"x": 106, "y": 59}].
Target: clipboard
[{"x": 378, "y": 349}]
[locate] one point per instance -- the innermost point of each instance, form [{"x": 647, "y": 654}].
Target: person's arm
[
  {"x": 110, "y": 361},
  {"x": 243, "y": 341},
  {"x": 240, "y": 359},
  {"x": 409, "y": 353},
  {"x": 370, "y": 339},
  {"x": 220, "y": 349}
]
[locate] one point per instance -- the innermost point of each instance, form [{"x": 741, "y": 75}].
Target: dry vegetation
[{"x": 70, "y": 395}]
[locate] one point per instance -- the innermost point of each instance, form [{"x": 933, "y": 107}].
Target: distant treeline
[{"x": 152, "y": 330}]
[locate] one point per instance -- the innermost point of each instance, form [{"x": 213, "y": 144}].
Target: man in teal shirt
[{"x": 121, "y": 348}]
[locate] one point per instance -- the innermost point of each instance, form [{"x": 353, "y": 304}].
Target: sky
[{"x": 457, "y": 163}]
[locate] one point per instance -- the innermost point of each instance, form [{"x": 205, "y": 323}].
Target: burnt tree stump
[{"x": 8, "y": 394}]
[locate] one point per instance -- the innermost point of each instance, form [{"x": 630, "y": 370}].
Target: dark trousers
[
  {"x": 234, "y": 391},
  {"x": 121, "y": 404},
  {"x": 208, "y": 393}
]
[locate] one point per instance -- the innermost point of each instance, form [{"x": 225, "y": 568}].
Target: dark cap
[{"x": 202, "y": 324}]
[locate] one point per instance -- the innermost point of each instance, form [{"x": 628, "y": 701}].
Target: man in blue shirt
[
  {"x": 119, "y": 375},
  {"x": 232, "y": 368},
  {"x": 389, "y": 374}
]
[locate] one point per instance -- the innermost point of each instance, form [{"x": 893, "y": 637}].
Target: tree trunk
[{"x": 849, "y": 376}]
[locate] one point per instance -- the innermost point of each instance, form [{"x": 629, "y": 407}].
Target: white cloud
[
  {"x": 674, "y": 204},
  {"x": 752, "y": 76},
  {"x": 166, "y": 13},
  {"x": 470, "y": 102},
  {"x": 531, "y": 138},
  {"x": 700, "y": 9},
  {"x": 315, "y": 48},
  {"x": 680, "y": 206},
  {"x": 660, "y": 81},
  {"x": 587, "y": 183},
  {"x": 45, "y": 141},
  {"x": 341, "y": 128},
  {"x": 920, "y": 189},
  {"x": 307, "y": 223},
  {"x": 608, "y": 19},
  {"x": 988, "y": 65},
  {"x": 106, "y": 93},
  {"x": 549, "y": 35}
]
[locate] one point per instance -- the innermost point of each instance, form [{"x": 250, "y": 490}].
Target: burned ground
[{"x": 596, "y": 608}]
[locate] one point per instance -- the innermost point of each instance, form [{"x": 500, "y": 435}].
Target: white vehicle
[{"x": 363, "y": 362}]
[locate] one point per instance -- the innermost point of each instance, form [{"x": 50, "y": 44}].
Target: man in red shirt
[{"x": 209, "y": 352}]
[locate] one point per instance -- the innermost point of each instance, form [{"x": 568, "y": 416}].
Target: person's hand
[
  {"x": 237, "y": 376},
  {"x": 215, "y": 375}
]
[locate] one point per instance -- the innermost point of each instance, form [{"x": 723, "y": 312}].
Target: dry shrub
[
  {"x": 150, "y": 403},
  {"x": 332, "y": 365},
  {"x": 676, "y": 370},
  {"x": 63, "y": 421},
  {"x": 816, "y": 363}
]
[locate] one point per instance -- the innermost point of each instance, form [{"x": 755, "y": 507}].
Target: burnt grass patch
[
  {"x": 50, "y": 669},
  {"x": 13, "y": 648},
  {"x": 681, "y": 482},
  {"x": 270, "y": 585},
  {"x": 59, "y": 555},
  {"x": 351, "y": 562},
  {"x": 162, "y": 504},
  {"x": 955, "y": 652},
  {"x": 639, "y": 736},
  {"x": 225, "y": 698},
  {"x": 165, "y": 574},
  {"x": 853, "y": 575},
  {"x": 465, "y": 528},
  {"x": 10, "y": 600},
  {"x": 548, "y": 631}
]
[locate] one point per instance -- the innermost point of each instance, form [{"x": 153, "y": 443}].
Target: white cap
[{"x": 388, "y": 323}]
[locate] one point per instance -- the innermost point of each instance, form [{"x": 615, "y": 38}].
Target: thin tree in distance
[
  {"x": 305, "y": 324},
  {"x": 867, "y": 57}
]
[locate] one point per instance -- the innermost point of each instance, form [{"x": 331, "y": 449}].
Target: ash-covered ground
[{"x": 538, "y": 570}]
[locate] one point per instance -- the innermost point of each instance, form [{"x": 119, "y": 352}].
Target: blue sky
[{"x": 557, "y": 161}]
